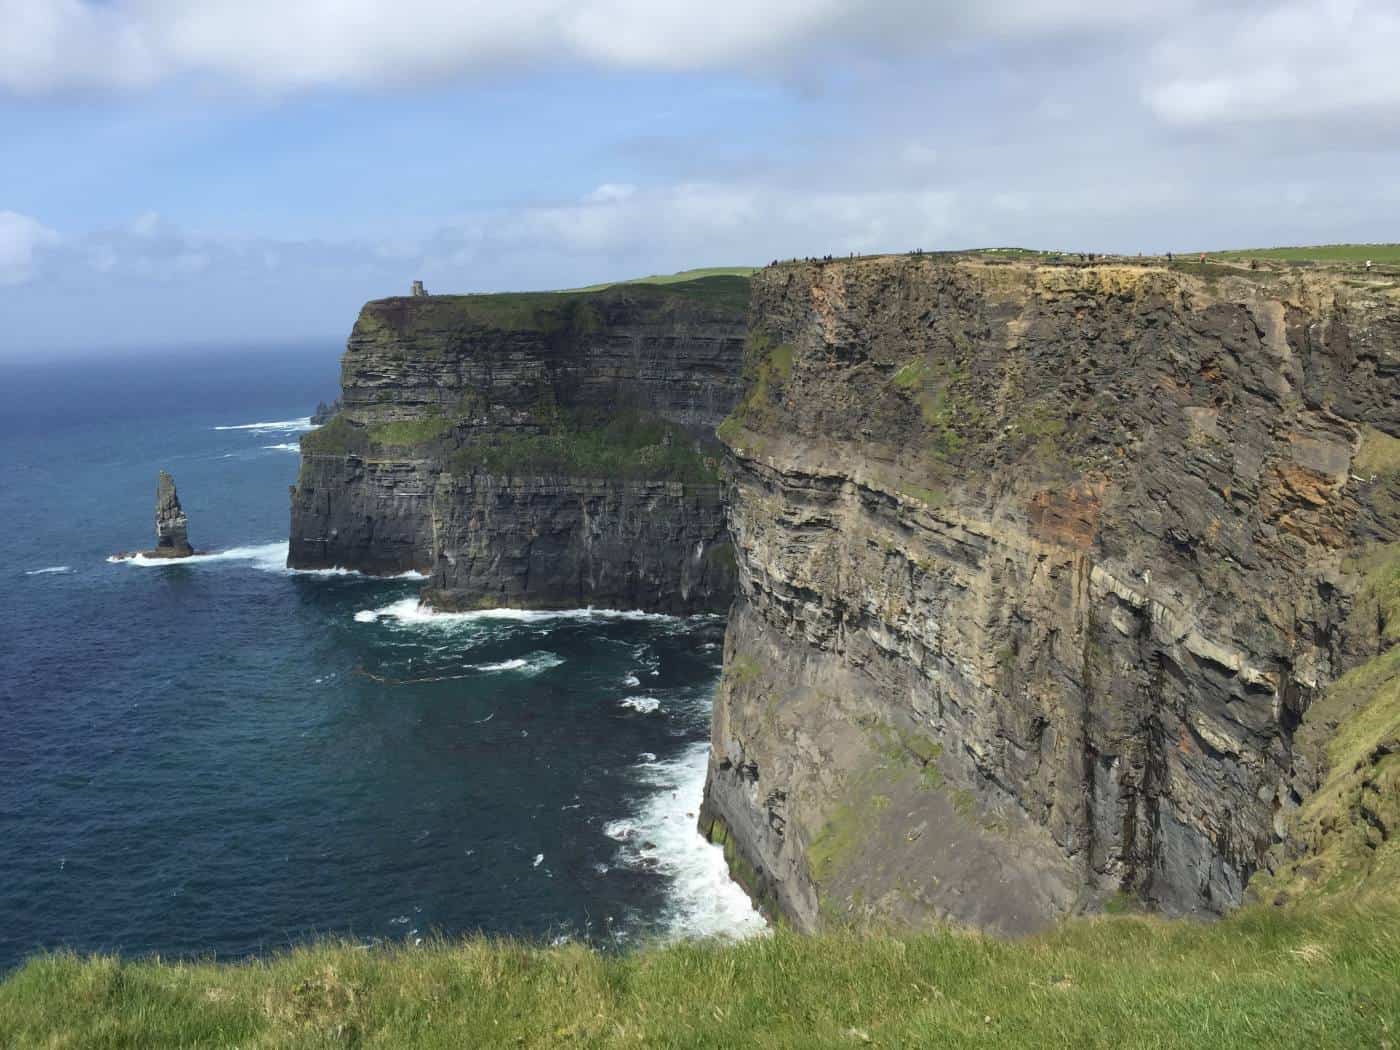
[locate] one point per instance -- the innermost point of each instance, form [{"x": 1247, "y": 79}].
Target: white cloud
[
  {"x": 65, "y": 44},
  {"x": 1194, "y": 62},
  {"x": 1297, "y": 59},
  {"x": 21, "y": 238}
]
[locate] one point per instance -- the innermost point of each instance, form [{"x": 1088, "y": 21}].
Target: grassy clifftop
[
  {"x": 1272, "y": 978},
  {"x": 580, "y": 310}
]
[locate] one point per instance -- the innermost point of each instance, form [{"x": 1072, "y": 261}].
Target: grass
[
  {"x": 339, "y": 437},
  {"x": 410, "y": 433},
  {"x": 623, "y": 445},
  {"x": 1262, "y": 977},
  {"x": 567, "y": 314},
  {"x": 684, "y": 277},
  {"x": 1381, "y": 254}
]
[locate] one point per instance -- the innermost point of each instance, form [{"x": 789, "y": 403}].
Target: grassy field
[
  {"x": 677, "y": 278},
  {"x": 1262, "y": 978},
  {"x": 1380, "y": 254}
]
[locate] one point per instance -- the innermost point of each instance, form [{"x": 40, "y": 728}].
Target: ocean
[{"x": 221, "y": 757}]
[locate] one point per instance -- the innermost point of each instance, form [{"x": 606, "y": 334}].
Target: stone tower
[{"x": 418, "y": 288}]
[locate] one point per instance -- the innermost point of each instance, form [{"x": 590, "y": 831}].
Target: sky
[{"x": 178, "y": 175}]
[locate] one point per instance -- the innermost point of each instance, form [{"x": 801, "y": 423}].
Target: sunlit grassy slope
[
  {"x": 677, "y": 278},
  {"x": 1262, "y": 978}
]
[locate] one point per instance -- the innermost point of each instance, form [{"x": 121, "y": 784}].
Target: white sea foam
[
  {"x": 643, "y": 704},
  {"x": 661, "y": 836},
  {"x": 631, "y": 680},
  {"x": 276, "y": 426},
  {"x": 51, "y": 570},
  {"x": 268, "y": 557},
  {"x": 539, "y": 859},
  {"x": 271, "y": 557},
  {"x": 412, "y": 611},
  {"x": 504, "y": 665},
  {"x": 532, "y": 664},
  {"x": 288, "y": 446}
]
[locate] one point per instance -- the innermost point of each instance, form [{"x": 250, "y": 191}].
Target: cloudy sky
[{"x": 249, "y": 171}]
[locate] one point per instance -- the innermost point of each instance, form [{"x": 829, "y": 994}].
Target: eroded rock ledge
[
  {"x": 532, "y": 450},
  {"x": 1041, "y": 569}
]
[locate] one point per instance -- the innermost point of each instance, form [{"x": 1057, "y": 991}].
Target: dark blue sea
[{"x": 221, "y": 758}]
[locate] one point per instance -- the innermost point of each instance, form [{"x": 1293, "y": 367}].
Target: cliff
[
  {"x": 535, "y": 450},
  {"x": 1059, "y": 586}
]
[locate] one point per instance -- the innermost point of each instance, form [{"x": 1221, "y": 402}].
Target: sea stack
[{"x": 172, "y": 541}]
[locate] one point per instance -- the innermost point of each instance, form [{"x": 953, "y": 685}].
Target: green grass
[
  {"x": 677, "y": 278},
  {"x": 1380, "y": 254},
  {"x": 410, "y": 433},
  {"x": 339, "y": 437},
  {"x": 624, "y": 445},
  {"x": 570, "y": 314},
  {"x": 1261, "y": 978}
]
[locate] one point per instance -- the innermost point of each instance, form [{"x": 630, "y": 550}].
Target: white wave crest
[
  {"x": 662, "y": 836},
  {"x": 631, "y": 681},
  {"x": 644, "y": 704},
  {"x": 275, "y": 426},
  {"x": 288, "y": 446},
  {"x": 412, "y": 611},
  {"x": 51, "y": 570},
  {"x": 267, "y": 557}
]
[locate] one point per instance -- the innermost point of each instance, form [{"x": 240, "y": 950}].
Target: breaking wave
[
  {"x": 661, "y": 836},
  {"x": 287, "y": 446},
  {"x": 276, "y": 426},
  {"x": 268, "y": 557},
  {"x": 412, "y": 611},
  {"x": 644, "y": 704},
  {"x": 51, "y": 570}
]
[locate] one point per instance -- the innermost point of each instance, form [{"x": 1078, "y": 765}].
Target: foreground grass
[{"x": 1263, "y": 977}]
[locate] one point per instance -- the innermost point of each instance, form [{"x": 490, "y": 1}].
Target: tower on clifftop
[{"x": 418, "y": 288}]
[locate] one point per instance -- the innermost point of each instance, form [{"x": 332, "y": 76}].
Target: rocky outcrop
[
  {"x": 1041, "y": 569},
  {"x": 172, "y": 538},
  {"x": 537, "y": 450},
  {"x": 325, "y": 413}
]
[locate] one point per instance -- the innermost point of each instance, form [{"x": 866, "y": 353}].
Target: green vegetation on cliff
[
  {"x": 1262, "y": 977},
  {"x": 625, "y": 445},
  {"x": 585, "y": 445},
  {"x": 767, "y": 368}
]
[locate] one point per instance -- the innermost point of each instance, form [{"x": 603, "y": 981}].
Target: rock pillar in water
[{"x": 172, "y": 540}]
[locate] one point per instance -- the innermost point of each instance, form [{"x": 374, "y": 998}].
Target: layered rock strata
[
  {"x": 1041, "y": 569},
  {"x": 534, "y": 450}
]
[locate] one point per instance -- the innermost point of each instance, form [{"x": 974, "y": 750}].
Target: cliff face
[
  {"x": 1041, "y": 569},
  {"x": 532, "y": 450}
]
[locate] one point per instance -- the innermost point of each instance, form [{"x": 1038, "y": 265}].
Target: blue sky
[{"x": 249, "y": 171}]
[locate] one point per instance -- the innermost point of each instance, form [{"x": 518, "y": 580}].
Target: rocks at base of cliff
[{"x": 172, "y": 537}]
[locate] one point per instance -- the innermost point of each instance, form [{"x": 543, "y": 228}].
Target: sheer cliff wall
[
  {"x": 535, "y": 450},
  {"x": 1041, "y": 571}
]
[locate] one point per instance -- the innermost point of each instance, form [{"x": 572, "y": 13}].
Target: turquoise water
[{"x": 222, "y": 757}]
